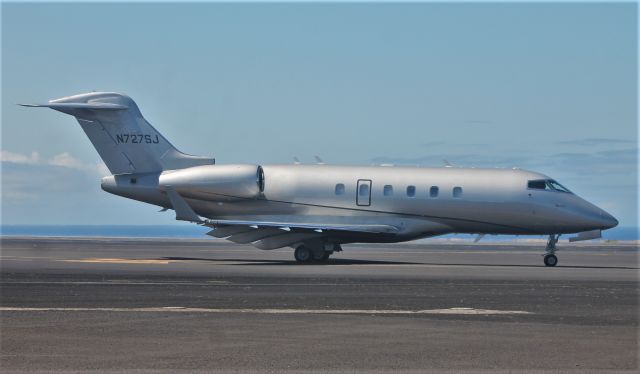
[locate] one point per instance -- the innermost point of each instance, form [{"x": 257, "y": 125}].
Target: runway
[{"x": 157, "y": 305}]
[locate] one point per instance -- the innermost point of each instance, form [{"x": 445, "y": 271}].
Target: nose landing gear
[{"x": 550, "y": 258}]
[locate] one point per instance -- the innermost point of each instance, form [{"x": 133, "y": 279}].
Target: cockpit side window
[
  {"x": 538, "y": 185},
  {"x": 547, "y": 184},
  {"x": 557, "y": 186}
]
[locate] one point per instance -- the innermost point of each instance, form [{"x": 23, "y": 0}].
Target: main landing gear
[
  {"x": 550, "y": 258},
  {"x": 306, "y": 255}
]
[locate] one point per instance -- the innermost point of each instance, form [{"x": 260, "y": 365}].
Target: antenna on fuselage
[
  {"x": 319, "y": 160},
  {"x": 296, "y": 161},
  {"x": 447, "y": 164}
]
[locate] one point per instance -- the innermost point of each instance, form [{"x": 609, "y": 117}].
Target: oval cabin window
[{"x": 457, "y": 192}]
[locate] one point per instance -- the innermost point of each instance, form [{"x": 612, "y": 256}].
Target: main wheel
[
  {"x": 550, "y": 260},
  {"x": 303, "y": 254}
]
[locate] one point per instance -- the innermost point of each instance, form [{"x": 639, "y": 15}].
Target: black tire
[
  {"x": 303, "y": 255},
  {"x": 550, "y": 260}
]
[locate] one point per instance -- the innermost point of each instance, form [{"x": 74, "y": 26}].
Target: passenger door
[{"x": 363, "y": 192}]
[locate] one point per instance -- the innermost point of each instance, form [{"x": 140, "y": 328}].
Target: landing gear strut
[{"x": 550, "y": 258}]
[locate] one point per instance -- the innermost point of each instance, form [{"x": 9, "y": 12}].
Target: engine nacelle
[{"x": 216, "y": 182}]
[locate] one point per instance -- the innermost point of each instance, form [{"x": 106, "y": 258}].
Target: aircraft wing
[
  {"x": 317, "y": 227},
  {"x": 271, "y": 235},
  {"x": 268, "y": 234}
]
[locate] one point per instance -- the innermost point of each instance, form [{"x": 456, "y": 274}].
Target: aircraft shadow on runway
[
  {"x": 244, "y": 261},
  {"x": 342, "y": 262}
]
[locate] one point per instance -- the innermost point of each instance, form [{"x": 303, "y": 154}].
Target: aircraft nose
[
  {"x": 593, "y": 217},
  {"x": 607, "y": 220}
]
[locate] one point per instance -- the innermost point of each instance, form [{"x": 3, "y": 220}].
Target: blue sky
[{"x": 548, "y": 87}]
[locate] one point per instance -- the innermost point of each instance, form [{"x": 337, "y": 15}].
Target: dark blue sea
[{"x": 194, "y": 231}]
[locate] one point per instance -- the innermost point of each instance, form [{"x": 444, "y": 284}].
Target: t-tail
[{"x": 126, "y": 142}]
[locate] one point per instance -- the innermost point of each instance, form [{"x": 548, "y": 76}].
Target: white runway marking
[
  {"x": 174, "y": 309},
  {"x": 221, "y": 283}
]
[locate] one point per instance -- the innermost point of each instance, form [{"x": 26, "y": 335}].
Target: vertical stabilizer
[{"x": 126, "y": 142}]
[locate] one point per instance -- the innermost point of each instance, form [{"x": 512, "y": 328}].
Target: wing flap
[
  {"x": 284, "y": 240},
  {"x": 255, "y": 234},
  {"x": 318, "y": 227},
  {"x": 224, "y": 231}
]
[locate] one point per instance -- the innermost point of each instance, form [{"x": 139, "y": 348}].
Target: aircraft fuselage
[{"x": 422, "y": 202}]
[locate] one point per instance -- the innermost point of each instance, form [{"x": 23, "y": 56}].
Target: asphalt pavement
[{"x": 159, "y": 305}]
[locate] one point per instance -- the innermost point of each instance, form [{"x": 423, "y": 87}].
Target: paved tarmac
[{"x": 155, "y": 305}]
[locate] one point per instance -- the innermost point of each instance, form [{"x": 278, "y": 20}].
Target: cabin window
[
  {"x": 364, "y": 190},
  {"x": 339, "y": 189},
  {"x": 411, "y": 191},
  {"x": 457, "y": 192},
  {"x": 433, "y": 191},
  {"x": 133, "y": 180},
  {"x": 387, "y": 190}
]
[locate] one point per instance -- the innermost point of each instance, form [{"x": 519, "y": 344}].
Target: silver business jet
[{"x": 317, "y": 208}]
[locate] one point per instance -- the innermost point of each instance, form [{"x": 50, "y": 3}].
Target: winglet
[
  {"x": 183, "y": 211},
  {"x": 75, "y": 106},
  {"x": 33, "y": 105}
]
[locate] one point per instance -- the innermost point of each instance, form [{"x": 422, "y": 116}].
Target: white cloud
[
  {"x": 67, "y": 161},
  {"x": 102, "y": 169},
  {"x": 58, "y": 174},
  {"x": 17, "y": 158},
  {"x": 64, "y": 160}
]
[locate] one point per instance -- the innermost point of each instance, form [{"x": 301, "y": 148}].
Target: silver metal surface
[{"x": 291, "y": 205}]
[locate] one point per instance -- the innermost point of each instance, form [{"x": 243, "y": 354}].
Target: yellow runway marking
[{"x": 119, "y": 261}]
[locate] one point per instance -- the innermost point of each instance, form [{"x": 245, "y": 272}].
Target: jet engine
[{"x": 216, "y": 182}]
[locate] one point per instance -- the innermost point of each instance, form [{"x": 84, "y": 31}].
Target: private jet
[{"x": 316, "y": 208}]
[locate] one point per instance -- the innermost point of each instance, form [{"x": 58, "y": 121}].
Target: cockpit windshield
[{"x": 547, "y": 184}]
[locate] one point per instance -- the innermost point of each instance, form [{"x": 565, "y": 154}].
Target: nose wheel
[{"x": 550, "y": 258}]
